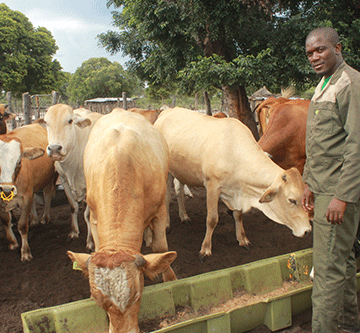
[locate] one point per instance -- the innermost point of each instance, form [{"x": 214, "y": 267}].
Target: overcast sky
[{"x": 74, "y": 25}]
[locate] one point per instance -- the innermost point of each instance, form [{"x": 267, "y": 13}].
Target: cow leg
[
  {"x": 6, "y": 220},
  {"x": 74, "y": 206},
  {"x": 93, "y": 228},
  {"x": 49, "y": 192},
  {"x": 168, "y": 199},
  {"x": 240, "y": 231},
  {"x": 159, "y": 242},
  {"x": 89, "y": 239},
  {"x": 33, "y": 218},
  {"x": 180, "y": 195},
  {"x": 23, "y": 228},
  {"x": 148, "y": 236},
  {"x": 212, "y": 218}
]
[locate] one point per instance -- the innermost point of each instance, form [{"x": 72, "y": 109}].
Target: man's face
[{"x": 323, "y": 56}]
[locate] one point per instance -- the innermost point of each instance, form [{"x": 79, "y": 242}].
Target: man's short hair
[{"x": 329, "y": 33}]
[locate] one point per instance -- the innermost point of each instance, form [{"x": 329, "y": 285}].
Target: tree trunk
[
  {"x": 207, "y": 103},
  {"x": 239, "y": 107}
]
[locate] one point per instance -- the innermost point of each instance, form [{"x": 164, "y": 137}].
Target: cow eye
[
  {"x": 293, "y": 201},
  {"x": 17, "y": 168},
  {"x": 70, "y": 121}
]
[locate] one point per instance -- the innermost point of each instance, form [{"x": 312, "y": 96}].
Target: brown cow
[
  {"x": 220, "y": 115},
  {"x": 265, "y": 109},
  {"x": 150, "y": 115},
  {"x": 4, "y": 117},
  {"x": 284, "y": 137},
  {"x": 24, "y": 170},
  {"x": 126, "y": 167}
]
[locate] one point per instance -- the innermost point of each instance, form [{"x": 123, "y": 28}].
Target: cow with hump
[
  {"x": 126, "y": 167},
  {"x": 223, "y": 156},
  {"x": 25, "y": 169},
  {"x": 68, "y": 131}
]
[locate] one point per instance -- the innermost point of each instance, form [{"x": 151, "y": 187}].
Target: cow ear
[
  {"x": 82, "y": 122},
  {"x": 156, "y": 263},
  {"x": 80, "y": 261},
  {"x": 33, "y": 153},
  {"x": 269, "y": 195}
]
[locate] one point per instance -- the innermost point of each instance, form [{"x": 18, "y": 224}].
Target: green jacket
[{"x": 333, "y": 137}]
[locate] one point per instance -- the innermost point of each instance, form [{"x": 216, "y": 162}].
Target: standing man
[{"x": 332, "y": 175}]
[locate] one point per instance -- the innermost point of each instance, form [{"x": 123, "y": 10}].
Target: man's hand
[
  {"x": 307, "y": 200},
  {"x": 335, "y": 211}
]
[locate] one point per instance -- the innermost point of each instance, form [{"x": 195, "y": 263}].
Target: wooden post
[
  {"x": 207, "y": 103},
  {"x": 26, "y": 102},
  {"x": 54, "y": 97},
  {"x": 10, "y": 108},
  {"x": 124, "y": 101}
]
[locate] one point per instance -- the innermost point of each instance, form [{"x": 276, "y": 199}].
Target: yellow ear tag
[
  {"x": 76, "y": 266},
  {"x": 7, "y": 198}
]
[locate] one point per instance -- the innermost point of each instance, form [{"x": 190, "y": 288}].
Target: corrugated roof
[{"x": 107, "y": 99}]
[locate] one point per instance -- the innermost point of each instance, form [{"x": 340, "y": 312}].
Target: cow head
[
  {"x": 282, "y": 202},
  {"x": 61, "y": 122},
  {"x": 12, "y": 155},
  {"x": 5, "y": 115},
  {"x": 117, "y": 280}
]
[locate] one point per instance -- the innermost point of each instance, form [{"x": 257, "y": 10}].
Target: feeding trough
[{"x": 236, "y": 299}]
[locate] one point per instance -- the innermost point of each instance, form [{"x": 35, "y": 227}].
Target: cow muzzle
[
  {"x": 7, "y": 192},
  {"x": 55, "y": 151}
]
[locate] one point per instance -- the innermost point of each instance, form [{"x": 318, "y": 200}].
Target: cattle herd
[{"x": 119, "y": 164}]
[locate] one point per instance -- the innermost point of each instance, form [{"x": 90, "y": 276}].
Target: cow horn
[{"x": 139, "y": 261}]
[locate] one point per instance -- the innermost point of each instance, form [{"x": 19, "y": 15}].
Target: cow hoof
[
  {"x": 26, "y": 257},
  {"x": 90, "y": 246},
  {"x": 247, "y": 247},
  {"x": 203, "y": 258},
  {"x": 73, "y": 234},
  {"x": 13, "y": 247},
  {"x": 186, "y": 220},
  {"x": 45, "y": 220}
]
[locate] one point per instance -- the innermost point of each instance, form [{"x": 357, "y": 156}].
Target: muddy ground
[{"x": 50, "y": 280}]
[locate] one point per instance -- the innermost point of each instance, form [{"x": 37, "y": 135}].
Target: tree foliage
[
  {"x": 232, "y": 45},
  {"x": 26, "y": 55},
  {"x": 99, "y": 77},
  {"x": 256, "y": 42}
]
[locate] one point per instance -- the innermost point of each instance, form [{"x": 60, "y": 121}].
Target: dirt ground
[{"x": 50, "y": 280}]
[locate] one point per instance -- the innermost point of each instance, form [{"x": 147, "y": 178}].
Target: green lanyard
[{"x": 325, "y": 82}]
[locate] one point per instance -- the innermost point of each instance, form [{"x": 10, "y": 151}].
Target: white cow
[
  {"x": 68, "y": 131},
  {"x": 222, "y": 155}
]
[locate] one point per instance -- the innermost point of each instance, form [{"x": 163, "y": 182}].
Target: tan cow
[
  {"x": 25, "y": 170},
  {"x": 223, "y": 156},
  {"x": 68, "y": 131},
  {"x": 126, "y": 167},
  {"x": 4, "y": 117}
]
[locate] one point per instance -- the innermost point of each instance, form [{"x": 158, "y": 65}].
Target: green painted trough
[{"x": 261, "y": 284}]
